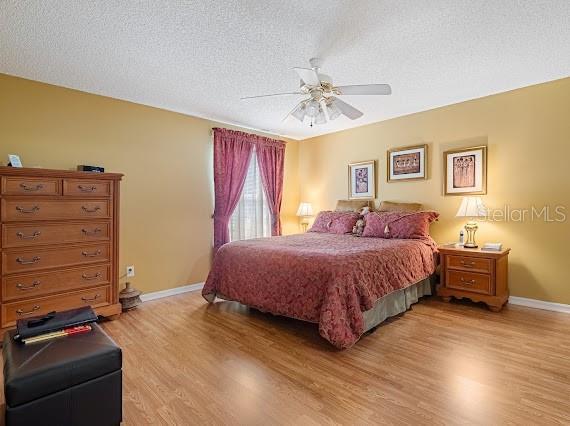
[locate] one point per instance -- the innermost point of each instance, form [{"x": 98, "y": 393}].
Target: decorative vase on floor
[{"x": 129, "y": 297}]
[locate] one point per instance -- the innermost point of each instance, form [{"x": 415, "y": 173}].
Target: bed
[{"x": 346, "y": 284}]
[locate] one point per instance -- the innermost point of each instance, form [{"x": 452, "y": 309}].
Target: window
[{"x": 251, "y": 218}]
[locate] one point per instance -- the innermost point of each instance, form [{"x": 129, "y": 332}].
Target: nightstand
[{"x": 475, "y": 274}]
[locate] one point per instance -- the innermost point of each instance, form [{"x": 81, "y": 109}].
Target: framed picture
[
  {"x": 407, "y": 163},
  {"x": 14, "y": 160},
  {"x": 466, "y": 171},
  {"x": 362, "y": 180}
]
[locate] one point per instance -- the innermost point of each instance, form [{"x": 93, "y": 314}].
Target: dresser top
[{"x": 33, "y": 172}]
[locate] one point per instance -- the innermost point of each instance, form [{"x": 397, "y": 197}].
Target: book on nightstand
[{"x": 492, "y": 246}]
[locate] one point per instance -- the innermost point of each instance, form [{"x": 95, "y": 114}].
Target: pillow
[
  {"x": 351, "y": 205},
  {"x": 401, "y": 225},
  {"x": 335, "y": 222},
  {"x": 390, "y": 206}
]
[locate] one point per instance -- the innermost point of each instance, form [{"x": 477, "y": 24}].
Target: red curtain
[
  {"x": 270, "y": 156},
  {"x": 232, "y": 154}
]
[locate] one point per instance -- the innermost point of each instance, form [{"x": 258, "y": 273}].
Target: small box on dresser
[
  {"x": 58, "y": 241},
  {"x": 475, "y": 274}
]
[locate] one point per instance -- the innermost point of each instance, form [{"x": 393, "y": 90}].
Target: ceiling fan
[{"x": 322, "y": 101}]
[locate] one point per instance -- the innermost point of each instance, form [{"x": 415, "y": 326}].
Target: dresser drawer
[
  {"x": 27, "y": 210},
  {"x": 21, "y": 235},
  {"x": 466, "y": 263},
  {"x": 86, "y": 188},
  {"x": 44, "y": 283},
  {"x": 469, "y": 281},
  {"x": 16, "y": 260},
  {"x": 30, "y": 186},
  {"x": 94, "y": 297}
]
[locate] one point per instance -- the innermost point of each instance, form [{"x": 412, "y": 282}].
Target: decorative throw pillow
[
  {"x": 401, "y": 225},
  {"x": 335, "y": 222}
]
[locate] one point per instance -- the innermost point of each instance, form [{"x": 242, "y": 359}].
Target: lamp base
[
  {"x": 305, "y": 223},
  {"x": 471, "y": 228}
]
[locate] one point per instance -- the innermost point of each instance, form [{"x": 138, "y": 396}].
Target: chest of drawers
[
  {"x": 59, "y": 243},
  {"x": 481, "y": 276}
]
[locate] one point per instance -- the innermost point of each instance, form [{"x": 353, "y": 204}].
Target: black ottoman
[{"x": 74, "y": 380}]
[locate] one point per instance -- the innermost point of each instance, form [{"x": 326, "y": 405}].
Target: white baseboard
[
  {"x": 514, "y": 300},
  {"x": 171, "y": 292},
  {"x": 539, "y": 304}
]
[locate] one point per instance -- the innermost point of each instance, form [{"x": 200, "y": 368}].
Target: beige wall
[
  {"x": 167, "y": 189},
  {"x": 528, "y": 136},
  {"x": 167, "y": 194}
]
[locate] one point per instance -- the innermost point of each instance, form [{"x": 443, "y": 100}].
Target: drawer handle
[
  {"x": 94, "y": 254},
  {"x": 92, "y": 210},
  {"x": 468, "y": 265},
  {"x": 25, "y": 210},
  {"x": 88, "y": 232},
  {"x": 91, "y": 299},
  {"x": 28, "y": 237},
  {"x": 23, "y": 261},
  {"x": 91, "y": 277},
  {"x": 470, "y": 282},
  {"x": 30, "y": 187},
  {"x": 22, "y": 313},
  {"x": 24, "y": 287},
  {"x": 87, "y": 188}
]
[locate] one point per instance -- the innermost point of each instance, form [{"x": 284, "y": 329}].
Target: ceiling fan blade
[
  {"x": 273, "y": 94},
  {"x": 346, "y": 109},
  {"x": 309, "y": 76},
  {"x": 365, "y": 89}
]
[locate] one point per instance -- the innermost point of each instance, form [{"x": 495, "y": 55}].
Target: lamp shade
[
  {"x": 305, "y": 209},
  {"x": 472, "y": 207}
]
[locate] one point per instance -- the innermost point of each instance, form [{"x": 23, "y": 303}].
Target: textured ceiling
[{"x": 200, "y": 57}]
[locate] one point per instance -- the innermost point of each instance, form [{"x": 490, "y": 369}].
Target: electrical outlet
[{"x": 131, "y": 271}]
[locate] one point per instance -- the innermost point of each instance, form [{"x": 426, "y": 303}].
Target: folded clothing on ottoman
[{"x": 75, "y": 380}]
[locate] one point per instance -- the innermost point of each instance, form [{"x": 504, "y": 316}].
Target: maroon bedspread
[{"x": 324, "y": 278}]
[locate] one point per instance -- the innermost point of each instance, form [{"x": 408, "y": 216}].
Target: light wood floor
[{"x": 189, "y": 363}]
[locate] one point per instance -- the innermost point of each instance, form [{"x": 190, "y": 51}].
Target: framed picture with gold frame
[
  {"x": 362, "y": 180},
  {"x": 407, "y": 163},
  {"x": 465, "y": 171}
]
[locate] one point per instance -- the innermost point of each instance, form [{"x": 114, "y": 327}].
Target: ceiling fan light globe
[
  {"x": 333, "y": 111},
  {"x": 321, "y": 118},
  {"x": 313, "y": 108},
  {"x": 299, "y": 112}
]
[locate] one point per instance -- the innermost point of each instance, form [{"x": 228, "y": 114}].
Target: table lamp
[
  {"x": 471, "y": 207},
  {"x": 305, "y": 211}
]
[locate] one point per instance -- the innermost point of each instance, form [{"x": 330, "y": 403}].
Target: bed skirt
[{"x": 397, "y": 302}]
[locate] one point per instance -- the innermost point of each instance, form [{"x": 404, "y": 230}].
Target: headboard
[
  {"x": 353, "y": 205},
  {"x": 391, "y": 206}
]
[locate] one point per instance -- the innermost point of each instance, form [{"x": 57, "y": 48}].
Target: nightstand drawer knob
[
  {"x": 467, "y": 264},
  {"x": 464, "y": 281}
]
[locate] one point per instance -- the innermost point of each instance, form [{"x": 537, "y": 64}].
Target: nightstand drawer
[
  {"x": 465, "y": 263},
  {"x": 468, "y": 281}
]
